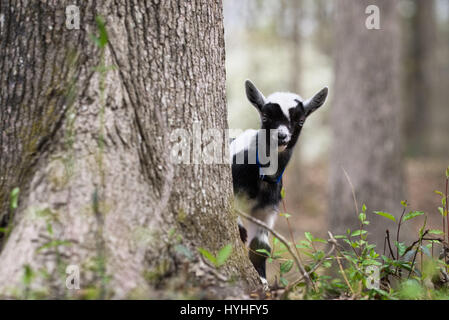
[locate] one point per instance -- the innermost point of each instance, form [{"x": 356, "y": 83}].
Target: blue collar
[{"x": 264, "y": 177}]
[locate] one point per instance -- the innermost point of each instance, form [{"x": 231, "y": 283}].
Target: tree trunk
[
  {"x": 365, "y": 118},
  {"x": 88, "y": 145},
  {"x": 439, "y": 130},
  {"x": 419, "y": 96},
  {"x": 296, "y": 44}
]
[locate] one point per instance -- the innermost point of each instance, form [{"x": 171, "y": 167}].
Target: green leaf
[
  {"x": 283, "y": 281},
  {"x": 286, "y": 266},
  {"x": 282, "y": 193},
  {"x": 318, "y": 255},
  {"x": 385, "y": 215},
  {"x": 14, "y": 198},
  {"x": 54, "y": 243},
  {"x": 286, "y": 215},
  {"x": 412, "y": 214},
  {"x": 436, "y": 231},
  {"x": 401, "y": 246},
  {"x": 264, "y": 251},
  {"x": 371, "y": 262},
  {"x": 49, "y": 229},
  {"x": 363, "y": 208},
  {"x": 362, "y": 217},
  {"x": 441, "y": 210},
  {"x": 28, "y": 275},
  {"x": 308, "y": 254},
  {"x": 103, "y": 39},
  {"x": 439, "y": 193},
  {"x": 308, "y": 236},
  {"x": 447, "y": 172},
  {"x": 209, "y": 256},
  {"x": 404, "y": 203},
  {"x": 421, "y": 231},
  {"x": 358, "y": 233},
  {"x": 224, "y": 254}
]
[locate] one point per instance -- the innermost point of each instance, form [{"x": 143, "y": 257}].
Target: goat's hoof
[{"x": 264, "y": 284}]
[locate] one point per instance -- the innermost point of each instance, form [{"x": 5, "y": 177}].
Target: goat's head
[{"x": 284, "y": 112}]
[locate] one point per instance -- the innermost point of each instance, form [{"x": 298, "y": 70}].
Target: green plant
[
  {"x": 13, "y": 204},
  {"x": 221, "y": 257},
  {"x": 354, "y": 268}
]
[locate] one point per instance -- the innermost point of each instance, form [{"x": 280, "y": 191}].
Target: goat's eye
[{"x": 264, "y": 118}]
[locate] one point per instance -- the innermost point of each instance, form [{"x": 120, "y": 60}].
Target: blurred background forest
[{"x": 298, "y": 46}]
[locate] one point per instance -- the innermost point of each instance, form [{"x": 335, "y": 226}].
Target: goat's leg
[
  {"x": 258, "y": 239},
  {"x": 259, "y": 259},
  {"x": 242, "y": 230}
]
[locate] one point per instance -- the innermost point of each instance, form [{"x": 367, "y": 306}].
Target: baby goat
[{"x": 259, "y": 183}]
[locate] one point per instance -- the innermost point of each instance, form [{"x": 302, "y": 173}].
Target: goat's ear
[
  {"x": 254, "y": 95},
  {"x": 316, "y": 101}
]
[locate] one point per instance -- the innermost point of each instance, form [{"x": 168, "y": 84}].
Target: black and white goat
[{"x": 258, "y": 183}]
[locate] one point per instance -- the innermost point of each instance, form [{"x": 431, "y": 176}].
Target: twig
[
  {"x": 343, "y": 272},
  {"x": 291, "y": 235},
  {"x": 356, "y": 208},
  {"x": 447, "y": 215},
  {"x": 397, "y": 233},
  {"x": 283, "y": 240},
  {"x": 410, "y": 247},
  {"x": 389, "y": 245},
  {"x": 416, "y": 252},
  {"x": 353, "y": 192}
]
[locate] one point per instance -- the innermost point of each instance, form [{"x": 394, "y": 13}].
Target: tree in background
[
  {"x": 420, "y": 74},
  {"x": 88, "y": 145},
  {"x": 365, "y": 117},
  {"x": 440, "y": 115}
]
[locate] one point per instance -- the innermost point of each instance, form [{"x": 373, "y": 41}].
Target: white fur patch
[
  {"x": 267, "y": 215},
  {"x": 265, "y": 285},
  {"x": 243, "y": 142},
  {"x": 286, "y": 100}
]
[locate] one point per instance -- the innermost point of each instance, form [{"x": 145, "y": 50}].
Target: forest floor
[{"x": 307, "y": 201}]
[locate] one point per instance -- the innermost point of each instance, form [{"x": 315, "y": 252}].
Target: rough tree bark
[
  {"x": 365, "y": 118},
  {"x": 89, "y": 149}
]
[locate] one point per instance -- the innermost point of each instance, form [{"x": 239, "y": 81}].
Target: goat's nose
[{"x": 282, "y": 135}]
